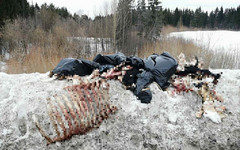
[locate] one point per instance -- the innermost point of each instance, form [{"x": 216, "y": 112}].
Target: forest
[{"x": 52, "y": 33}]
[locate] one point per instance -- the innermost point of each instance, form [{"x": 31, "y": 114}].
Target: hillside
[{"x": 166, "y": 123}]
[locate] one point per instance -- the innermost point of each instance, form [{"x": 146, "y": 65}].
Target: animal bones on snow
[
  {"x": 202, "y": 82},
  {"x": 117, "y": 72},
  {"x": 84, "y": 107}
]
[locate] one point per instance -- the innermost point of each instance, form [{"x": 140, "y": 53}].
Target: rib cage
[{"x": 83, "y": 108}]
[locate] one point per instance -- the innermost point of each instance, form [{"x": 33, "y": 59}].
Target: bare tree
[
  {"x": 123, "y": 24},
  {"x": 114, "y": 21}
]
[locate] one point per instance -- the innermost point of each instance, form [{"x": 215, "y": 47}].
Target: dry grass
[
  {"x": 35, "y": 61},
  {"x": 42, "y": 60},
  {"x": 169, "y": 29},
  {"x": 44, "y": 55},
  {"x": 175, "y": 46},
  {"x": 37, "y": 50}
]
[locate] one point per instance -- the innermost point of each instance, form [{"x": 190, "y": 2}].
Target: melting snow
[{"x": 167, "y": 122}]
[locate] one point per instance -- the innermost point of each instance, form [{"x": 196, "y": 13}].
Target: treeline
[
  {"x": 11, "y": 9},
  {"x": 126, "y": 28},
  {"x": 218, "y": 19},
  {"x": 27, "y": 28},
  {"x": 36, "y": 38}
]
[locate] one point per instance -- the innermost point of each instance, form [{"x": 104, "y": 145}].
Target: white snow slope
[
  {"x": 166, "y": 123},
  {"x": 218, "y": 41}
]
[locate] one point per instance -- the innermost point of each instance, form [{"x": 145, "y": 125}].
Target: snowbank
[
  {"x": 166, "y": 123},
  {"x": 218, "y": 41}
]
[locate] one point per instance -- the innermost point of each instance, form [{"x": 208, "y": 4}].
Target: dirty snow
[
  {"x": 166, "y": 123},
  {"x": 218, "y": 41}
]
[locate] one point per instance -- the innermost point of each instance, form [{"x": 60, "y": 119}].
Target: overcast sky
[
  {"x": 207, "y": 5},
  {"x": 95, "y": 7}
]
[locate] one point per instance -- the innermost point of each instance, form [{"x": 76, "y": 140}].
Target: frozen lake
[{"x": 217, "y": 41}]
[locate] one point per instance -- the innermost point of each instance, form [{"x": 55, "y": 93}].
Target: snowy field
[
  {"x": 217, "y": 41},
  {"x": 166, "y": 123}
]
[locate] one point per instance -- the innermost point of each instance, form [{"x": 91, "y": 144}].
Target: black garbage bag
[
  {"x": 104, "y": 68},
  {"x": 145, "y": 96},
  {"x": 71, "y": 66},
  {"x": 162, "y": 67},
  {"x": 144, "y": 79},
  {"x": 135, "y": 62},
  {"x": 113, "y": 59},
  {"x": 130, "y": 77}
]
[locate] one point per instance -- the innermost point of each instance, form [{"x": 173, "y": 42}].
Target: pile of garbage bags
[{"x": 155, "y": 68}]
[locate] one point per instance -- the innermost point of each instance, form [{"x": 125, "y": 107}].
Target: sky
[
  {"x": 96, "y": 7},
  {"x": 88, "y": 7},
  {"x": 206, "y": 5}
]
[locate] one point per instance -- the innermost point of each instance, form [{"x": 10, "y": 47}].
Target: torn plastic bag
[
  {"x": 104, "y": 68},
  {"x": 130, "y": 77},
  {"x": 135, "y": 62},
  {"x": 113, "y": 59},
  {"x": 145, "y": 96},
  {"x": 144, "y": 79},
  {"x": 71, "y": 66},
  {"x": 162, "y": 67}
]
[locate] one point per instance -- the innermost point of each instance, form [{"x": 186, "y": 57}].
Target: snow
[
  {"x": 3, "y": 66},
  {"x": 91, "y": 44},
  {"x": 213, "y": 116},
  {"x": 166, "y": 123},
  {"x": 218, "y": 41}
]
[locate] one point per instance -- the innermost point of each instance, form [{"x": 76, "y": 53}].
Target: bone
[{"x": 83, "y": 108}]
